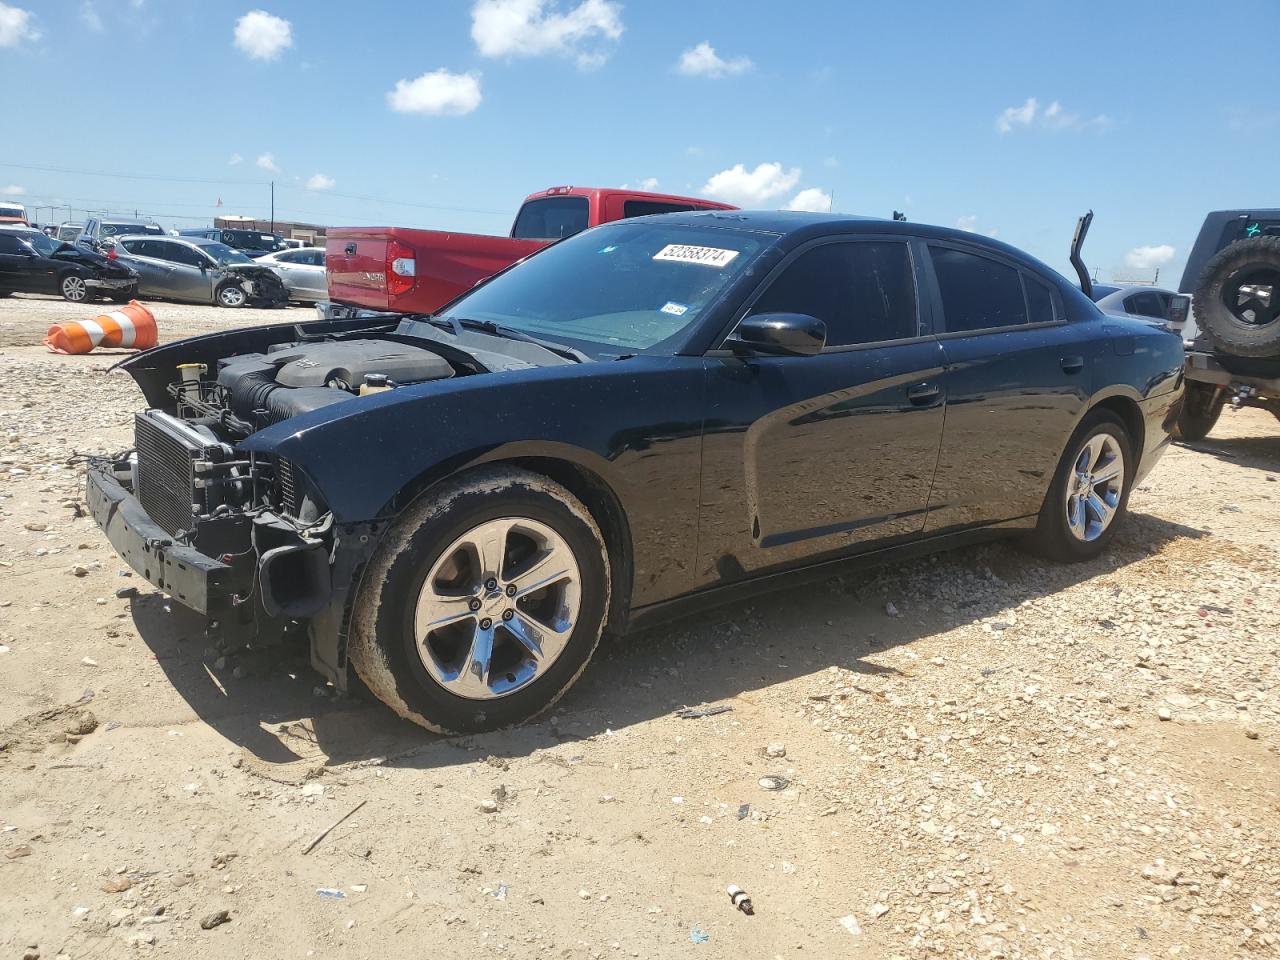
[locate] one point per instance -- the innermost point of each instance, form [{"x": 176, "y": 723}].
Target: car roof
[
  {"x": 19, "y": 229},
  {"x": 802, "y": 225}
]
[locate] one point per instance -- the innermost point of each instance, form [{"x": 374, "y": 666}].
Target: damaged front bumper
[
  {"x": 202, "y": 583},
  {"x": 263, "y": 579}
]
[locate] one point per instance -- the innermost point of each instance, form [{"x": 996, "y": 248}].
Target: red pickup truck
[{"x": 416, "y": 271}]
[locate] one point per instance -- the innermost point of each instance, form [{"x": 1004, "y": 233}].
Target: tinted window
[
  {"x": 551, "y": 218},
  {"x": 314, "y": 257},
  {"x": 863, "y": 292},
  {"x": 177, "y": 253},
  {"x": 977, "y": 293},
  {"x": 10, "y": 244},
  {"x": 643, "y": 208},
  {"x": 1260, "y": 228},
  {"x": 1039, "y": 300}
]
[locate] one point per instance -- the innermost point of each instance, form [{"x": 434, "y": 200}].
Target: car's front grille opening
[{"x": 166, "y": 487}]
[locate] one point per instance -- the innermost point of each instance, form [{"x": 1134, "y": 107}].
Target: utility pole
[{"x": 273, "y": 206}]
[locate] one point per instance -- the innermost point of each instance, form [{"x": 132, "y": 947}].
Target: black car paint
[
  {"x": 711, "y": 469},
  {"x": 33, "y": 272}
]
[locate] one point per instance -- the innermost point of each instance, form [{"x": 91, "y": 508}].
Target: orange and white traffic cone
[{"x": 130, "y": 326}]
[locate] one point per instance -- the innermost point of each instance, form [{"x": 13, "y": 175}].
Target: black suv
[
  {"x": 252, "y": 243},
  {"x": 33, "y": 262}
]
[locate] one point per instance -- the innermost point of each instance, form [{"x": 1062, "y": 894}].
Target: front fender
[{"x": 636, "y": 424}]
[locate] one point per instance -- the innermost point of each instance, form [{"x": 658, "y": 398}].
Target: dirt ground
[{"x": 1027, "y": 760}]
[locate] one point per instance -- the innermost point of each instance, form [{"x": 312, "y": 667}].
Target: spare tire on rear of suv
[{"x": 1237, "y": 302}]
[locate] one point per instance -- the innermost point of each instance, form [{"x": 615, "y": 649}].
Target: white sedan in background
[{"x": 302, "y": 272}]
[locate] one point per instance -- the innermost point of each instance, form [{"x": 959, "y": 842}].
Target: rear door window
[
  {"x": 978, "y": 293},
  {"x": 11, "y": 244},
  {"x": 863, "y": 291},
  {"x": 551, "y": 218}
]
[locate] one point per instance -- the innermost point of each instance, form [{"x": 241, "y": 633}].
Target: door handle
[
  {"x": 921, "y": 394},
  {"x": 1072, "y": 364}
]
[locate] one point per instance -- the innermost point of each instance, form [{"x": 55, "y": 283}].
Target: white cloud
[
  {"x": 532, "y": 28},
  {"x": 812, "y": 199},
  {"x": 235, "y": 158},
  {"x": 648, "y": 184},
  {"x": 968, "y": 223},
  {"x": 438, "y": 92},
  {"x": 319, "y": 181},
  {"x": 16, "y": 25},
  {"x": 267, "y": 162},
  {"x": 703, "y": 61},
  {"x": 13, "y": 190},
  {"x": 262, "y": 35},
  {"x": 1144, "y": 258},
  {"x": 89, "y": 16},
  {"x": 746, "y": 188},
  {"x": 1052, "y": 117}
]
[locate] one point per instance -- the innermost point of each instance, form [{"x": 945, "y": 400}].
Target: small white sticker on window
[
  {"x": 675, "y": 309},
  {"x": 707, "y": 256}
]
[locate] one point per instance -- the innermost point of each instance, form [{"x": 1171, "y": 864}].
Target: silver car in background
[
  {"x": 302, "y": 271},
  {"x": 197, "y": 270}
]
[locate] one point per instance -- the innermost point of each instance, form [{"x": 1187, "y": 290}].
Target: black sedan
[
  {"x": 650, "y": 415},
  {"x": 33, "y": 262}
]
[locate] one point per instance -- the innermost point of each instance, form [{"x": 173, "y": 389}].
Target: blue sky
[{"x": 1012, "y": 119}]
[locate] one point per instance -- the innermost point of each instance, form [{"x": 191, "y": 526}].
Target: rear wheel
[
  {"x": 124, "y": 296},
  {"x": 73, "y": 288},
  {"x": 1201, "y": 407},
  {"x": 1090, "y": 491},
  {"x": 230, "y": 295},
  {"x": 484, "y": 603}
]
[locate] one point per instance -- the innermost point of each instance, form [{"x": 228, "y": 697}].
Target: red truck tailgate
[{"x": 413, "y": 271}]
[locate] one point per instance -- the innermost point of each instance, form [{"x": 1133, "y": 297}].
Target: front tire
[
  {"x": 1201, "y": 407},
  {"x": 230, "y": 295},
  {"x": 483, "y": 604},
  {"x": 1090, "y": 491},
  {"x": 73, "y": 288},
  {"x": 124, "y": 296}
]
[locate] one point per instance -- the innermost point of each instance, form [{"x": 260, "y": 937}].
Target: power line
[
  {"x": 130, "y": 176},
  {"x": 259, "y": 183}
]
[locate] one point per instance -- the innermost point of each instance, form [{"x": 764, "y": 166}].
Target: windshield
[
  {"x": 44, "y": 244},
  {"x": 224, "y": 254},
  {"x": 619, "y": 288},
  {"x": 130, "y": 229}
]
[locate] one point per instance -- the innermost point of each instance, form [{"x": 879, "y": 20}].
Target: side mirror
[{"x": 779, "y": 334}]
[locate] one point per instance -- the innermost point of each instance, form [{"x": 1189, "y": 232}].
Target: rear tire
[
  {"x": 1201, "y": 407},
  {"x": 124, "y": 296},
  {"x": 1089, "y": 495},
  {"x": 1246, "y": 324},
  {"x": 438, "y": 623}
]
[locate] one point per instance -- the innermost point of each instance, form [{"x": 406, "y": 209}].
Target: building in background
[{"x": 309, "y": 233}]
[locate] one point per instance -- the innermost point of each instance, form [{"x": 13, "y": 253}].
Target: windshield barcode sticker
[{"x": 708, "y": 256}]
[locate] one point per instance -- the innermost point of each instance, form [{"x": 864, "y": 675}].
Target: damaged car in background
[
  {"x": 198, "y": 271},
  {"x": 650, "y": 415}
]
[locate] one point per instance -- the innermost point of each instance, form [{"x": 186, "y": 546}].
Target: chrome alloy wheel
[
  {"x": 232, "y": 296},
  {"x": 497, "y": 608},
  {"x": 1095, "y": 487},
  {"x": 74, "y": 288}
]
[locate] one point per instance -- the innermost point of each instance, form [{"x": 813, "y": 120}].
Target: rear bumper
[
  {"x": 1263, "y": 375},
  {"x": 191, "y": 578},
  {"x": 1159, "y": 414},
  {"x": 112, "y": 284}
]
